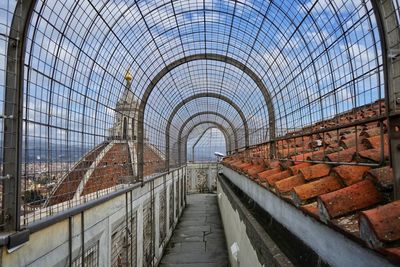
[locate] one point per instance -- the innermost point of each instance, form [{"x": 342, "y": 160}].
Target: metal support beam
[
  {"x": 197, "y": 96},
  {"x": 388, "y": 24},
  {"x": 13, "y": 115},
  {"x": 215, "y": 57}
]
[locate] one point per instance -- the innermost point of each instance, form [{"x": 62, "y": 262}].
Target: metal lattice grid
[
  {"x": 6, "y": 15},
  {"x": 148, "y": 241},
  {"x": 163, "y": 214},
  {"x": 286, "y": 64},
  {"x": 121, "y": 246},
  {"x": 90, "y": 258}
]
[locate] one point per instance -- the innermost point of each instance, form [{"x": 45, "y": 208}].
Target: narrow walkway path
[{"x": 199, "y": 238}]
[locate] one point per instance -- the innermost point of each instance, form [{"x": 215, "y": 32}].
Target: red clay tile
[
  {"x": 311, "y": 190},
  {"x": 371, "y": 132},
  {"x": 349, "y": 199},
  {"x": 302, "y": 157},
  {"x": 252, "y": 164},
  {"x": 244, "y": 165},
  {"x": 374, "y": 155},
  {"x": 272, "y": 179},
  {"x": 382, "y": 177},
  {"x": 319, "y": 155},
  {"x": 350, "y": 174},
  {"x": 375, "y": 141},
  {"x": 256, "y": 169},
  {"x": 311, "y": 209},
  {"x": 315, "y": 171},
  {"x": 346, "y": 155},
  {"x": 274, "y": 164},
  {"x": 288, "y": 152},
  {"x": 296, "y": 168},
  {"x": 285, "y": 185},
  {"x": 351, "y": 141},
  {"x": 381, "y": 225},
  {"x": 285, "y": 164},
  {"x": 263, "y": 175}
]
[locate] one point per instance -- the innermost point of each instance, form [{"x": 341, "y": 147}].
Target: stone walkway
[{"x": 198, "y": 239}]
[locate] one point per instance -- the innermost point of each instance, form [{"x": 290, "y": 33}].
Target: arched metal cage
[{"x": 261, "y": 72}]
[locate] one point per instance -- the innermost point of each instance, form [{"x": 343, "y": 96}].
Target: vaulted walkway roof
[{"x": 283, "y": 66}]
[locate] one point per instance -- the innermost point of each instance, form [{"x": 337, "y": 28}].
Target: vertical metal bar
[
  {"x": 70, "y": 240},
  {"x": 127, "y": 229},
  {"x": 131, "y": 229},
  {"x": 389, "y": 31},
  {"x": 13, "y": 114},
  {"x": 83, "y": 238}
]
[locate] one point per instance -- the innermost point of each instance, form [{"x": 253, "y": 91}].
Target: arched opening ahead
[{"x": 202, "y": 144}]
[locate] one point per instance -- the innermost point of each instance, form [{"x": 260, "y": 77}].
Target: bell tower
[{"x": 126, "y": 111}]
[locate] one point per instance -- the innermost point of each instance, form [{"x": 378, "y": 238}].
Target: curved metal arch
[
  {"x": 196, "y": 96},
  {"x": 206, "y": 56},
  {"x": 199, "y": 114},
  {"x": 219, "y": 126}
]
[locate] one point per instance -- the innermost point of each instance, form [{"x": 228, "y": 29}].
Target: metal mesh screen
[
  {"x": 90, "y": 258},
  {"x": 6, "y": 14},
  {"x": 93, "y": 70},
  {"x": 163, "y": 214},
  {"x": 147, "y": 233}
]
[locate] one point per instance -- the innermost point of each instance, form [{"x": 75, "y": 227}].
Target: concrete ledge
[
  {"x": 268, "y": 253},
  {"x": 333, "y": 247}
]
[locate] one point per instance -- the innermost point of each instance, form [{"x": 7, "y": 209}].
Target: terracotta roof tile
[
  {"x": 315, "y": 171},
  {"x": 381, "y": 225},
  {"x": 244, "y": 165},
  {"x": 344, "y": 201},
  {"x": 288, "y": 152},
  {"x": 285, "y": 164},
  {"x": 272, "y": 179},
  {"x": 370, "y": 132},
  {"x": 351, "y": 141},
  {"x": 263, "y": 175},
  {"x": 307, "y": 191},
  {"x": 374, "y": 155},
  {"x": 346, "y": 155},
  {"x": 382, "y": 177},
  {"x": 296, "y": 168},
  {"x": 365, "y": 189},
  {"x": 303, "y": 157},
  {"x": 375, "y": 141},
  {"x": 285, "y": 185},
  {"x": 350, "y": 174},
  {"x": 311, "y": 209},
  {"x": 255, "y": 169},
  {"x": 274, "y": 164}
]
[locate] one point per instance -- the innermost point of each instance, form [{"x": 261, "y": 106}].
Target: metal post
[
  {"x": 13, "y": 115},
  {"x": 388, "y": 24}
]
